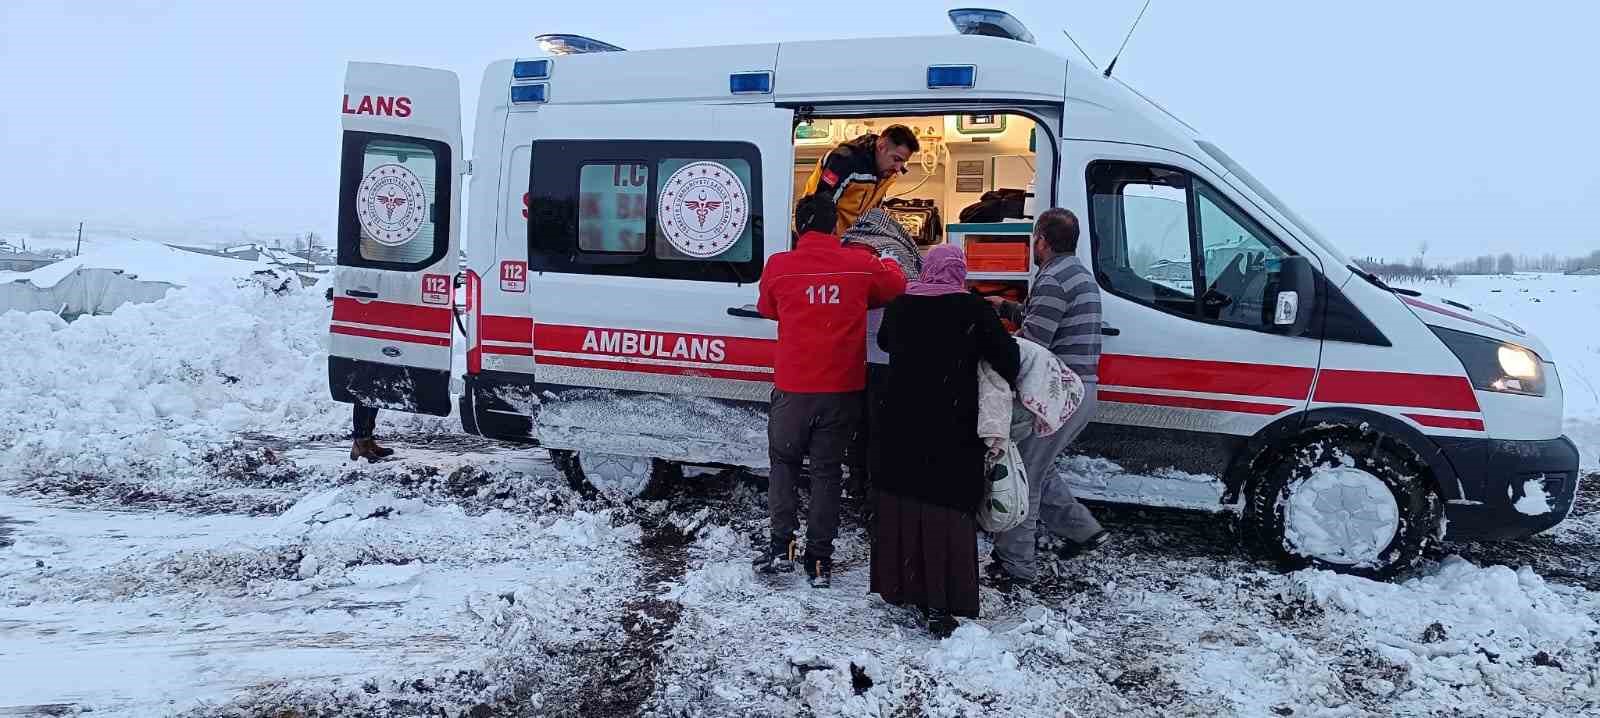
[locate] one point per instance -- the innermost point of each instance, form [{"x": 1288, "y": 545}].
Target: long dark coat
[{"x": 930, "y": 439}]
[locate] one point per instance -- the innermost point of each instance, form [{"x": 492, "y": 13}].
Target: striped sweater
[{"x": 1063, "y": 315}]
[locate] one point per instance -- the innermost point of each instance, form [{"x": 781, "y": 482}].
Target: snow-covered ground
[{"x": 180, "y": 534}]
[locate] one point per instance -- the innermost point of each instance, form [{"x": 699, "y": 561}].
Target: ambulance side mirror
[{"x": 1291, "y": 296}]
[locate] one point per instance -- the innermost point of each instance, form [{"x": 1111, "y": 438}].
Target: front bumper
[{"x": 1496, "y": 475}]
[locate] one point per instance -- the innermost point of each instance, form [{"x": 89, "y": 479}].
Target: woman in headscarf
[{"x": 924, "y": 550}]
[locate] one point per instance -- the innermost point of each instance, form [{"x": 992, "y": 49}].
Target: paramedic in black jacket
[{"x": 857, "y": 174}]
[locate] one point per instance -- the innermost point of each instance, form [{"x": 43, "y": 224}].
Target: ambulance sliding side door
[
  {"x": 400, "y": 175},
  {"x": 649, "y": 227}
]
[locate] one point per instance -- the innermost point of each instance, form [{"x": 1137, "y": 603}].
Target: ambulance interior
[{"x": 962, "y": 157}]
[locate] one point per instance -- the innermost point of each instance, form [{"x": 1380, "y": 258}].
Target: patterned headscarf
[
  {"x": 876, "y": 229},
  {"x": 943, "y": 272}
]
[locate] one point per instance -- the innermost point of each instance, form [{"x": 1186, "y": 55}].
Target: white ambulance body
[{"x": 608, "y": 311}]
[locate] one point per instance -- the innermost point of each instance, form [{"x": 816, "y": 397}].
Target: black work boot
[
  {"x": 820, "y": 570},
  {"x": 778, "y": 558},
  {"x": 941, "y": 623},
  {"x": 1074, "y": 549},
  {"x": 1001, "y": 579}
]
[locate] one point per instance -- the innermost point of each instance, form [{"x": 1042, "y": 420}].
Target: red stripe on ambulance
[
  {"x": 1190, "y": 402},
  {"x": 392, "y": 314},
  {"x": 1264, "y": 380},
  {"x": 1447, "y": 422},
  {"x": 652, "y": 368},
  {"x": 1383, "y": 388},
  {"x": 741, "y": 351},
  {"x": 506, "y": 329},
  {"x": 390, "y": 336}
]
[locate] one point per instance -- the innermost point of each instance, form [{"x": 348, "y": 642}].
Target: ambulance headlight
[{"x": 1494, "y": 365}]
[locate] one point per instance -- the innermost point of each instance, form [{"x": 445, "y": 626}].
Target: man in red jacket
[{"x": 820, "y": 293}]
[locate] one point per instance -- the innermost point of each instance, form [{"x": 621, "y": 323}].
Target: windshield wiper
[{"x": 1370, "y": 277}]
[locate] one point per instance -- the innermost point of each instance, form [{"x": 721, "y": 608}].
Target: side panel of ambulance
[
  {"x": 399, "y": 217},
  {"x": 646, "y": 232}
]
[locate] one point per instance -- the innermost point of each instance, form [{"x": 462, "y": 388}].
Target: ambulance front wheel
[
  {"x": 1344, "y": 500},
  {"x": 615, "y": 476}
]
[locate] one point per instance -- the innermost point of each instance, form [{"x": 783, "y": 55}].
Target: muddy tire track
[{"x": 621, "y": 680}]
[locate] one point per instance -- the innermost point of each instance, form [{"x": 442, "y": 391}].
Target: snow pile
[
  {"x": 143, "y": 391},
  {"x": 1495, "y": 629},
  {"x": 147, "y": 261}
]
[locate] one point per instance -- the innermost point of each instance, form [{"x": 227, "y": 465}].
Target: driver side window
[
  {"x": 1237, "y": 257},
  {"x": 1168, "y": 240}
]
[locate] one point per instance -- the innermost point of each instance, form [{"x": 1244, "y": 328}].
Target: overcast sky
[{"x": 1468, "y": 125}]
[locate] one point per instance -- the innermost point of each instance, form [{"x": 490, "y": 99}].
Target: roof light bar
[
  {"x": 992, "y": 23},
  {"x": 561, "y": 44}
]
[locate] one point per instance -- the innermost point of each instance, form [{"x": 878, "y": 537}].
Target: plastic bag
[{"x": 1005, "y": 495}]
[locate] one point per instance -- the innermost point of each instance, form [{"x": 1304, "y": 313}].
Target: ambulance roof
[{"x": 876, "y": 69}]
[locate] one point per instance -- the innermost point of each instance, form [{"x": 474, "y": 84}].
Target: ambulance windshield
[{"x": 1272, "y": 199}]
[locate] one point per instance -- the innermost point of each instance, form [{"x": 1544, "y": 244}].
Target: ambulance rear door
[
  {"x": 649, "y": 226},
  {"x": 401, "y": 167}
]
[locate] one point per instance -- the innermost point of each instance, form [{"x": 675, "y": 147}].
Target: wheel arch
[{"x": 1264, "y": 446}]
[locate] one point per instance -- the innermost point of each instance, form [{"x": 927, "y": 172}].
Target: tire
[
  {"x": 1344, "y": 500},
  {"x": 616, "y": 477}
]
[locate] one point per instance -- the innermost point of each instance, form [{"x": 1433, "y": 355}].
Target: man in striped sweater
[{"x": 1063, "y": 315}]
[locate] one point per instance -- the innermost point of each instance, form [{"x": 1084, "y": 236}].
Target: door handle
[
  {"x": 1109, "y": 330},
  {"x": 361, "y": 293},
  {"x": 748, "y": 310}
]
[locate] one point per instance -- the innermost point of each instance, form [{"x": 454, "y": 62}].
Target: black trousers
[
  {"x": 363, "y": 420},
  {"x": 865, "y": 457},
  {"x": 815, "y": 426}
]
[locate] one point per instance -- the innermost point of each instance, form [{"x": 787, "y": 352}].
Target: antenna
[
  {"x": 1080, "y": 49},
  {"x": 1125, "y": 40}
]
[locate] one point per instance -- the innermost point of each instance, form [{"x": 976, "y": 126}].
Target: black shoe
[
  {"x": 941, "y": 624},
  {"x": 778, "y": 558},
  {"x": 1001, "y": 579},
  {"x": 1074, "y": 549},
  {"x": 820, "y": 570}
]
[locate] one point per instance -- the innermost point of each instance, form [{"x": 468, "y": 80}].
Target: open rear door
[{"x": 399, "y": 232}]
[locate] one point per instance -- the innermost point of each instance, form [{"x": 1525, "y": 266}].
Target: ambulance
[{"x": 623, "y": 204}]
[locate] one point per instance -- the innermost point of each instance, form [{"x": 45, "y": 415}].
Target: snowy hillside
[{"x": 181, "y": 535}]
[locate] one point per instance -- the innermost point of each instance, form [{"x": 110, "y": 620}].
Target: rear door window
[
  {"x": 394, "y": 202},
  {"x": 656, "y": 209}
]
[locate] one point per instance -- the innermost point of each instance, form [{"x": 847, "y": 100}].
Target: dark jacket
[
  {"x": 849, "y": 175},
  {"x": 930, "y": 431}
]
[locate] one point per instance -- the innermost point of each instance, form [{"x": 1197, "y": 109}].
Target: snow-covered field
[{"x": 180, "y": 535}]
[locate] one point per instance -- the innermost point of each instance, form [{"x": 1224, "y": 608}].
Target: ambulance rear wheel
[
  {"x": 615, "y": 477},
  {"x": 1346, "y": 501}
]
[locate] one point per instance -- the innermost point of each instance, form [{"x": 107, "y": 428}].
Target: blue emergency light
[
  {"x": 521, "y": 94},
  {"x": 531, "y": 70},
  {"x": 952, "y": 77},
  {"x": 750, "y": 83}
]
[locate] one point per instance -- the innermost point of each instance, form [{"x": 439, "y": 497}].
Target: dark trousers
[
  {"x": 817, "y": 426},
  {"x": 363, "y": 420},
  {"x": 865, "y": 458}
]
